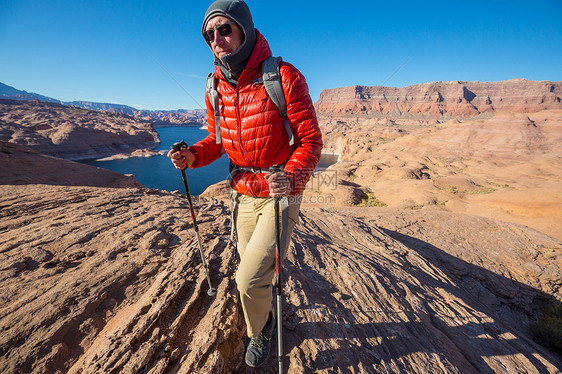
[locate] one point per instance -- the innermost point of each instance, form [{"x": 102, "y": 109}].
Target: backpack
[{"x": 271, "y": 78}]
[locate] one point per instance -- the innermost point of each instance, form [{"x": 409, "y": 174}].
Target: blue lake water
[{"x": 158, "y": 171}]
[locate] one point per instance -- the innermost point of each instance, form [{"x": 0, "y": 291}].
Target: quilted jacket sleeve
[{"x": 304, "y": 124}]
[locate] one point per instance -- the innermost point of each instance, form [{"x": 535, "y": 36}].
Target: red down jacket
[{"x": 252, "y": 131}]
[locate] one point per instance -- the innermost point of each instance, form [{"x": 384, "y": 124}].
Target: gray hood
[{"x": 237, "y": 10}]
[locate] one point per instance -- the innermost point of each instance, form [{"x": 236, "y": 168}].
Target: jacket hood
[{"x": 233, "y": 64}]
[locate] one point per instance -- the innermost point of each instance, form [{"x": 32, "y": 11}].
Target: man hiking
[{"x": 259, "y": 135}]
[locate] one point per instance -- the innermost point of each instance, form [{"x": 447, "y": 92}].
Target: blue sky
[{"x": 116, "y": 51}]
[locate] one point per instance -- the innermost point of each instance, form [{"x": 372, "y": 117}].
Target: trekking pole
[
  {"x": 178, "y": 147},
  {"x": 276, "y": 169}
]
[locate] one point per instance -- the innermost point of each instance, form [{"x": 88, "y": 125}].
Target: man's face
[{"x": 224, "y": 45}]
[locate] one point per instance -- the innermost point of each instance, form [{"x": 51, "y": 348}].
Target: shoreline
[
  {"x": 137, "y": 153},
  {"x": 105, "y": 152}
]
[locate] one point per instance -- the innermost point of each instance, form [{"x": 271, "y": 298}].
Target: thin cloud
[{"x": 190, "y": 75}]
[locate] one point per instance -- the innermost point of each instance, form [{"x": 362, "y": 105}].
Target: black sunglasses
[{"x": 224, "y": 30}]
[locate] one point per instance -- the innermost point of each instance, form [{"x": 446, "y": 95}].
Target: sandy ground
[{"x": 508, "y": 167}]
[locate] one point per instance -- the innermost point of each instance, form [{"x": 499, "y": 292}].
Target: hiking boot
[{"x": 258, "y": 347}]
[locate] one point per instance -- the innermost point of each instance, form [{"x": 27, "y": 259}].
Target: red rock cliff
[{"x": 452, "y": 99}]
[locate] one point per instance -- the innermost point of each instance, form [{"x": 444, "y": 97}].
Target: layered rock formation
[
  {"x": 70, "y": 132},
  {"x": 508, "y": 167},
  {"x": 158, "y": 118},
  {"x": 499, "y": 157},
  {"x": 181, "y": 117},
  {"x": 98, "y": 279},
  {"x": 437, "y": 99}
]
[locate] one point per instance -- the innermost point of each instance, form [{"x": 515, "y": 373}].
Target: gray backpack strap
[
  {"x": 214, "y": 99},
  {"x": 272, "y": 83}
]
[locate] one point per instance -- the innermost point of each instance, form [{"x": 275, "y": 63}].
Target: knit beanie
[{"x": 233, "y": 64}]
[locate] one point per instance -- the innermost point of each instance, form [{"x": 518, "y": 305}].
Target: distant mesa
[
  {"x": 159, "y": 118},
  {"x": 442, "y": 99},
  {"x": 104, "y": 107}
]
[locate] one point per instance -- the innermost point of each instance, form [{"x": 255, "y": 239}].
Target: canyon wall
[{"x": 438, "y": 99}]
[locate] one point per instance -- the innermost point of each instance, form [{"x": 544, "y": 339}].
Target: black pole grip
[{"x": 179, "y": 146}]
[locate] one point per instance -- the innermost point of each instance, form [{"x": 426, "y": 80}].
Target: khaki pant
[{"x": 254, "y": 220}]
